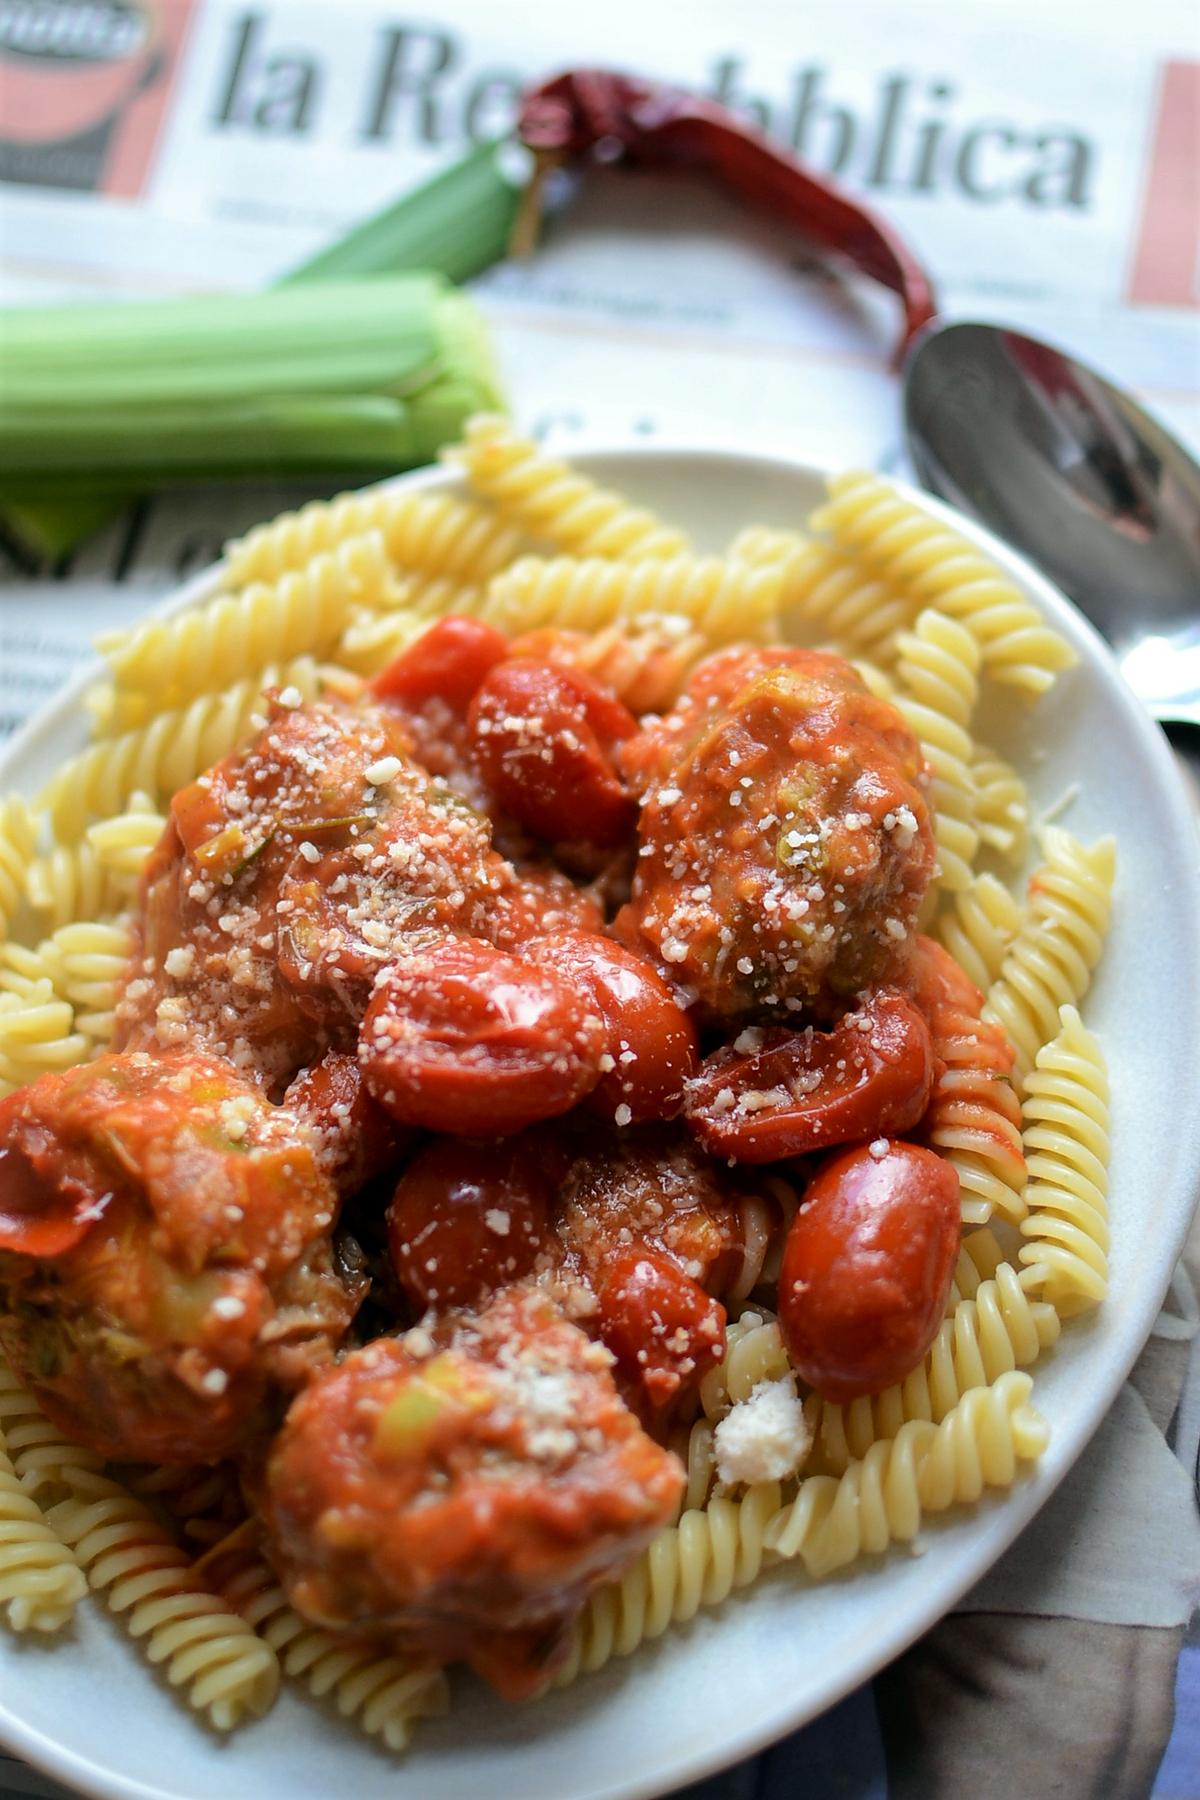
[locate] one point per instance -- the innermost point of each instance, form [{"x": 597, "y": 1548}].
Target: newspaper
[{"x": 1041, "y": 161}]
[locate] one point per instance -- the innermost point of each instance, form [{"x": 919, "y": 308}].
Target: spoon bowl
[{"x": 1071, "y": 471}]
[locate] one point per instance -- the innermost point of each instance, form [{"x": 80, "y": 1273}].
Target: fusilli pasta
[
  {"x": 385, "y": 1695},
  {"x": 726, "y": 601},
  {"x": 227, "y": 1671},
  {"x": 979, "y": 927},
  {"x": 1066, "y": 1146},
  {"x": 938, "y": 667},
  {"x": 867, "y": 516},
  {"x": 697, "y": 1563},
  {"x": 40, "y": 1579},
  {"x": 880, "y": 1499},
  {"x": 169, "y": 662},
  {"x": 18, "y": 835},
  {"x": 433, "y": 534},
  {"x": 555, "y": 502},
  {"x": 1050, "y": 960}
]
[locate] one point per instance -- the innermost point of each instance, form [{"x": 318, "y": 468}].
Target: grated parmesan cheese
[{"x": 765, "y": 1437}]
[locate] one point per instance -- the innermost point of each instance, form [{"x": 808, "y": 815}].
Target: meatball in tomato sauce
[
  {"x": 464, "y": 1488},
  {"x": 165, "y": 1254},
  {"x": 785, "y": 837}
]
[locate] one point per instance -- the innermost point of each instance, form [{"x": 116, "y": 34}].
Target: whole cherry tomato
[
  {"x": 803, "y": 1091},
  {"x": 461, "y": 1037},
  {"x": 356, "y": 1139},
  {"x": 542, "y": 738},
  {"x": 468, "y": 1219},
  {"x": 867, "y": 1267},
  {"x": 650, "y": 1043},
  {"x": 447, "y": 662},
  {"x": 664, "y": 1330}
]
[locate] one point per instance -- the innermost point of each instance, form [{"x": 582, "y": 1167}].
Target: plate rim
[{"x": 1012, "y": 1508}]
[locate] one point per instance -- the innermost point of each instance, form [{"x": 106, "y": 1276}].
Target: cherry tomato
[
  {"x": 462, "y": 1037},
  {"x": 808, "y": 1090},
  {"x": 469, "y": 1219},
  {"x": 447, "y": 662},
  {"x": 651, "y": 1043},
  {"x": 44, "y": 1210},
  {"x": 664, "y": 1330},
  {"x": 542, "y": 738},
  {"x": 867, "y": 1267},
  {"x": 356, "y": 1139},
  {"x": 539, "y": 900}
]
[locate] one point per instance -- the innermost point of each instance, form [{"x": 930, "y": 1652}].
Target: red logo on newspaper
[
  {"x": 83, "y": 88},
  {"x": 1166, "y": 259}
]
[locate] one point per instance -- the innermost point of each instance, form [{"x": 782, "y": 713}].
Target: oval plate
[{"x": 88, "y": 1709}]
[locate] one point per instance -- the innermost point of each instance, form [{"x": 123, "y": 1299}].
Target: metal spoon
[{"x": 1071, "y": 471}]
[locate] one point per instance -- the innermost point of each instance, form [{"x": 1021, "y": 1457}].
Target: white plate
[{"x": 88, "y": 1709}]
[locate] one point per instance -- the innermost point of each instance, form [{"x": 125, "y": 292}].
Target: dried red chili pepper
[{"x": 596, "y": 114}]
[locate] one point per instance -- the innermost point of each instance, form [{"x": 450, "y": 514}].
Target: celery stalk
[{"x": 347, "y": 379}]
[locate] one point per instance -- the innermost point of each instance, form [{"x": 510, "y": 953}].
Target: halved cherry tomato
[
  {"x": 469, "y": 1219},
  {"x": 651, "y": 1043},
  {"x": 45, "y": 1210},
  {"x": 542, "y": 737},
  {"x": 808, "y": 1090},
  {"x": 447, "y": 662},
  {"x": 664, "y": 1330},
  {"x": 357, "y": 1140},
  {"x": 462, "y": 1037},
  {"x": 867, "y": 1267}
]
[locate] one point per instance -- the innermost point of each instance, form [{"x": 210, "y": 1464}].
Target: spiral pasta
[
  {"x": 171, "y": 661},
  {"x": 122, "y": 843},
  {"x": 866, "y": 515},
  {"x": 40, "y": 1579},
  {"x": 434, "y": 534},
  {"x": 371, "y": 639},
  {"x": 1050, "y": 960},
  {"x": 938, "y": 670},
  {"x": 168, "y": 752},
  {"x": 227, "y": 1671},
  {"x": 45, "y": 1462},
  {"x": 974, "y": 1116},
  {"x": 726, "y": 601},
  {"x": 18, "y": 836},
  {"x": 71, "y": 882},
  {"x": 764, "y": 1214},
  {"x": 92, "y": 959},
  {"x": 385, "y": 1695},
  {"x": 697, "y": 1563},
  {"x": 1001, "y": 805},
  {"x": 554, "y": 501},
  {"x": 37, "y": 1032},
  {"x": 1066, "y": 1146},
  {"x": 979, "y": 927},
  {"x": 880, "y": 1499}
]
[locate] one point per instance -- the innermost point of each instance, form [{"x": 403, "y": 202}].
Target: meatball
[
  {"x": 165, "y": 1256},
  {"x": 785, "y": 839},
  {"x": 464, "y": 1489},
  {"x": 292, "y": 873}
]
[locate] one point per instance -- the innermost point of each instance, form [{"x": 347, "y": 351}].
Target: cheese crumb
[
  {"x": 764, "y": 1438},
  {"x": 383, "y": 771}
]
